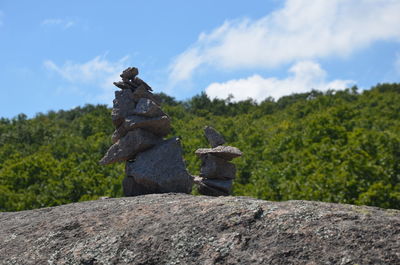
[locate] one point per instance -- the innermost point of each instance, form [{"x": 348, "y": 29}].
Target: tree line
[{"x": 334, "y": 146}]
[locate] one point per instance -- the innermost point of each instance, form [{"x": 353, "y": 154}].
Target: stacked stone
[
  {"x": 216, "y": 172},
  {"x": 153, "y": 165}
]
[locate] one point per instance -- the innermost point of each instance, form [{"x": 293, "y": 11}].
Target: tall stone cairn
[
  {"x": 216, "y": 172},
  {"x": 153, "y": 165}
]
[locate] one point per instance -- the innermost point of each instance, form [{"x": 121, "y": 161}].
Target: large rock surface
[{"x": 185, "y": 229}]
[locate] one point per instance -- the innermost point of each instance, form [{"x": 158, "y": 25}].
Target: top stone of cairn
[
  {"x": 129, "y": 73},
  {"x": 214, "y": 138},
  {"x": 131, "y": 81}
]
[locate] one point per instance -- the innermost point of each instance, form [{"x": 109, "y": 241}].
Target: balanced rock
[
  {"x": 205, "y": 189},
  {"x": 139, "y": 82},
  {"x": 159, "y": 126},
  {"x": 224, "y": 152},
  {"x": 128, "y": 146},
  {"x": 124, "y": 106},
  {"x": 131, "y": 81},
  {"x": 140, "y": 125},
  {"x": 142, "y": 92},
  {"x": 161, "y": 169},
  {"x": 129, "y": 73},
  {"x": 131, "y": 188},
  {"x": 213, "y": 137},
  {"x": 124, "y": 85},
  {"x": 215, "y": 167},
  {"x": 222, "y": 185},
  {"x": 216, "y": 173},
  {"x": 146, "y": 107},
  {"x": 210, "y": 191}
]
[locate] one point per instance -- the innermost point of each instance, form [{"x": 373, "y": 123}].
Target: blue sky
[{"x": 62, "y": 54}]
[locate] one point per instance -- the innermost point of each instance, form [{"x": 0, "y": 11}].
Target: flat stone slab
[
  {"x": 147, "y": 108},
  {"x": 161, "y": 168},
  {"x": 124, "y": 106},
  {"x": 128, "y": 146},
  {"x": 217, "y": 168},
  {"x": 214, "y": 138},
  {"x": 222, "y": 151},
  {"x": 159, "y": 126},
  {"x": 124, "y": 85}
]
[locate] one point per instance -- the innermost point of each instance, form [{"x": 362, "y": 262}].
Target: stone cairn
[
  {"x": 216, "y": 172},
  {"x": 153, "y": 165}
]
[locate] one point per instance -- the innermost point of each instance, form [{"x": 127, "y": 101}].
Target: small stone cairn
[
  {"x": 216, "y": 172},
  {"x": 153, "y": 165}
]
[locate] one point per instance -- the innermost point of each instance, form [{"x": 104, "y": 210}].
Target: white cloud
[
  {"x": 304, "y": 76},
  {"x": 97, "y": 72},
  {"x": 63, "y": 23},
  {"x": 301, "y": 30}
]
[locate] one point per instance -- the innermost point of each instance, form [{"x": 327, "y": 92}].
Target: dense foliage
[{"x": 338, "y": 146}]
